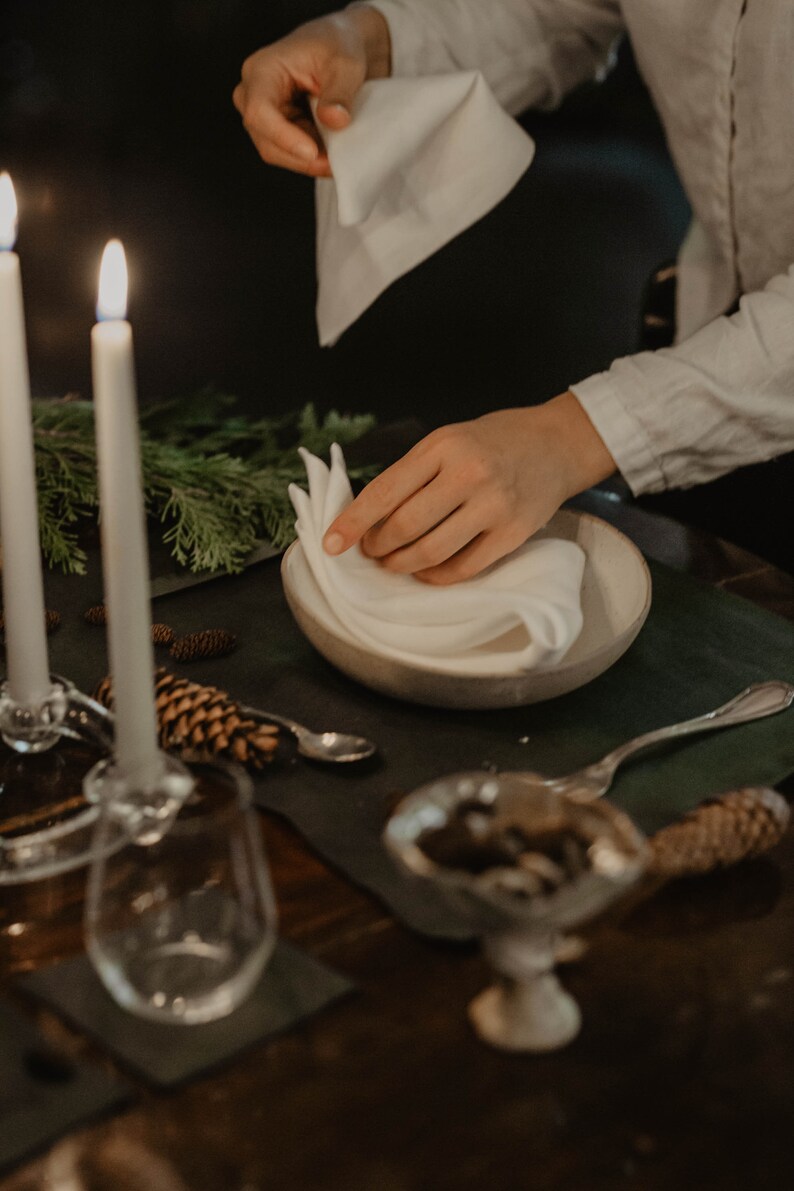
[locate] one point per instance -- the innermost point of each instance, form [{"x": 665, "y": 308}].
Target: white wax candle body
[
  {"x": 125, "y": 562},
  {"x": 23, "y": 591}
]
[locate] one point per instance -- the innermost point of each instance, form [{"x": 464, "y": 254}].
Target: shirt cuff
[
  {"x": 624, "y": 435},
  {"x": 409, "y": 47}
]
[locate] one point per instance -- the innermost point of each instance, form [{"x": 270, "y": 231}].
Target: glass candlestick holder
[
  {"x": 64, "y": 711},
  {"x": 521, "y": 867},
  {"x": 180, "y": 918},
  {"x": 46, "y": 824}
]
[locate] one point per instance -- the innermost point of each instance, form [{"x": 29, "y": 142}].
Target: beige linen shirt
[{"x": 721, "y": 73}]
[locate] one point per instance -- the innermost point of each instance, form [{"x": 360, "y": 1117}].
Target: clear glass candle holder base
[
  {"x": 63, "y": 711},
  {"x": 46, "y": 824},
  {"x": 147, "y": 807}
]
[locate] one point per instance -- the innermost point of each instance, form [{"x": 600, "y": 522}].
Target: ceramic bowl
[{"x": 616, "y": 597}]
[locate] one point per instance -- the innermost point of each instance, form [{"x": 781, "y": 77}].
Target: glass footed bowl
[{"x": 519, "y": 867}]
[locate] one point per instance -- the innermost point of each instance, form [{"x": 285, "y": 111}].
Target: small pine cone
[
  {"x": 162, "y": 634},
  {"x": 203, "y": 721},
  {"x": 720, "y": 832},
  {"x": 52, "y": 620},
  {"x": 98, "y": 615},
  {"x": 209, "y": 643}
]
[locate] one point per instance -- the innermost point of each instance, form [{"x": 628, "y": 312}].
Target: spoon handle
[
  {"x": 270, "y": 717},
  {"x": 753, "y": 703}
]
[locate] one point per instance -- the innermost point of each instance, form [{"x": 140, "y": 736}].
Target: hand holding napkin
[
  {"x": 536, "y": 589},
  {"x": 421, "y": 160}
]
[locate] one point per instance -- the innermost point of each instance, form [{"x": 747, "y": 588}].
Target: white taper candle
[
  {"x": 23, "y": 592},
  {"x": 125, "y": 562}
]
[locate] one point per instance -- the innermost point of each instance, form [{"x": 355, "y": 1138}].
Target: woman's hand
[
  {"x": 472, "y": 492},
  {"x": 328, "y": 59}
]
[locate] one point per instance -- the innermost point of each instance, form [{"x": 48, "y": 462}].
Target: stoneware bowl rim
[{"x": 616, "y": 598}]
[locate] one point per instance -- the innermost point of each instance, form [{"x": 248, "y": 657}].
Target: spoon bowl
[{"x": 331, "y": 747}]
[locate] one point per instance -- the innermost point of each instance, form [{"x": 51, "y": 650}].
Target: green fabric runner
[{"x": 699, "y": 647}]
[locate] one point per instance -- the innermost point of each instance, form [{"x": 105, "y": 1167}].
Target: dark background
[{"x": 116, "y": 119}]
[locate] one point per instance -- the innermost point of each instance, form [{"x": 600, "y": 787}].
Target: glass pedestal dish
[{"x": 521, "y": 867}]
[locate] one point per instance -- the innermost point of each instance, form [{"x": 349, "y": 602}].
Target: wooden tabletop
[{"x": 683, "y": 1075}]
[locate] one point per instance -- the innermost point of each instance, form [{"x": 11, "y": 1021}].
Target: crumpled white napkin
[
  {"x": 449, "y": 628},
  {"x": 421, "y": 160}
]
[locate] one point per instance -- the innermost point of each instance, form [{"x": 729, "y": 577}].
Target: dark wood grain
[
  {"x": 682, "y": 1076},
  {"x": 117, "y": 121}
]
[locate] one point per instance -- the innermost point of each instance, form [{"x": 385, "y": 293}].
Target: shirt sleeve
[
  {"x": 531, "y": 52},
  {"x": 722, "y": 399}
]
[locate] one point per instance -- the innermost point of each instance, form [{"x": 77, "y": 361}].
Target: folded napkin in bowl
[
  {"x": 533, "y": 594},
  {"x": 421, "y": 160}
]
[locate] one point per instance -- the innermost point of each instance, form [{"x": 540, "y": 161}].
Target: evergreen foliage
[{"x": 215, "y": 480}]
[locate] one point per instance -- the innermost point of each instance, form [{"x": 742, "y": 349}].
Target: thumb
[{"x": 335, "y": 101}]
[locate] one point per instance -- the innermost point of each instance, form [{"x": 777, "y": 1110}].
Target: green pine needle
[{"x": 214, "y": 480}]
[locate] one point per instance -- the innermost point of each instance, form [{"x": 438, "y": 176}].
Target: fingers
[
  {"x": 465, "y": 496},
  {"x": 319, "y": 168},
  {"x": 440, "y": 543},
  {"x": 456, "y": 547},
  {"x": 481, "y": 552},
  {"x": 324, "y": 58},
  {"x": 337, "y": 92},
  {"x": 281, "y": 133},
  {"x": 333, "y": 114},
  {"x": 380, "y": 498},
  {"x": 414, "y": 518}
]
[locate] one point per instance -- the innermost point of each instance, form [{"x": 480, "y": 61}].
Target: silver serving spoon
[
  {"x": 318, "y": 746},
  {"x": 753, "y": 703},
  {"x": 585, "y": 785}
]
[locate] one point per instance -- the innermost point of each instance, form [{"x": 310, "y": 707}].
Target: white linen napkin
[
  {"x": 456, "y": 628},
  {"x": 421, "y": 160}
]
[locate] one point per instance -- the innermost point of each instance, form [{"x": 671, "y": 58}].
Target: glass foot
[{"x": 535, "y": 1016}]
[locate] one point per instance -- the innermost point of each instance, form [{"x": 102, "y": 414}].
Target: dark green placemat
[
  {"x": 293, "y": 987},
  {"x": 43, "y": 1093},
  {"x": 699, "y": 647}
]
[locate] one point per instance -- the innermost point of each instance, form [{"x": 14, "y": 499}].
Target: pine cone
[
  {"x": 719, "y": 832},
  {"x": 209, "y": 643},
  {"x": 203, "y": 721},
  {"x": 52, "y": 620},
  {"x": 98, "y": 615},
  {"x": 162, "y": 634}
]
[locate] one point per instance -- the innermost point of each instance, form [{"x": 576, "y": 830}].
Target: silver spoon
[
  {"x": 585, "y": 785},
  {"x": 753, "y": 703},
  {"x": 319, "y": 746}
]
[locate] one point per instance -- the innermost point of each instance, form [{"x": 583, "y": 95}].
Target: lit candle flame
[
  {"x": 112, "y": 301},
  {"x": 8, "y": 213}
]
